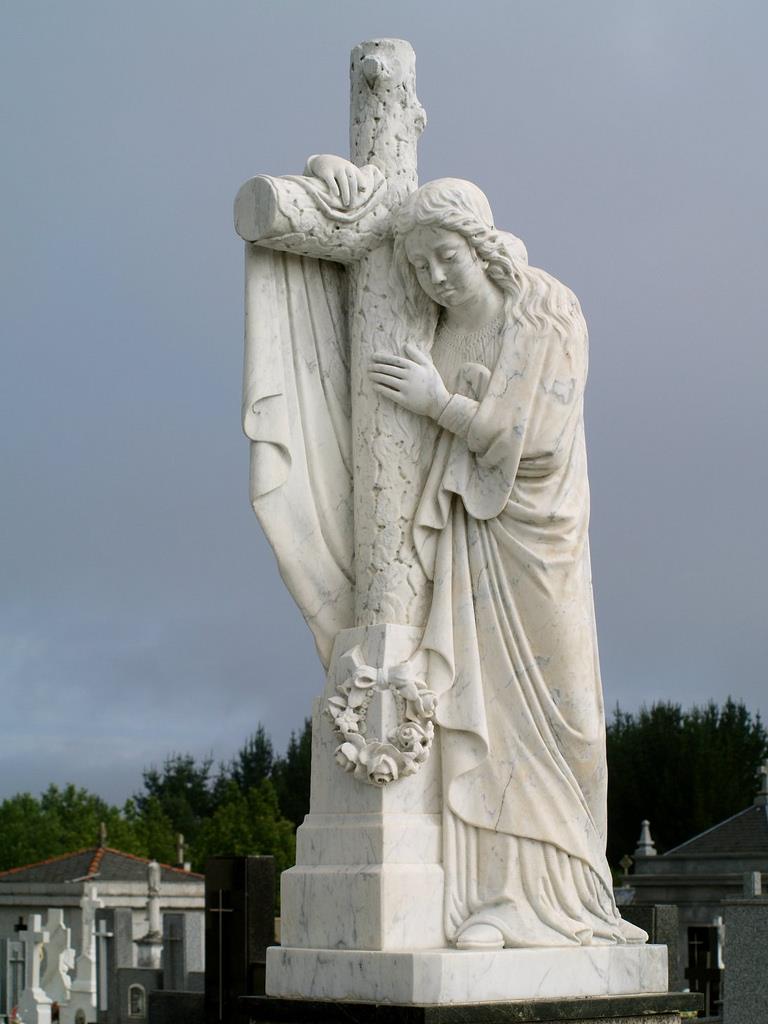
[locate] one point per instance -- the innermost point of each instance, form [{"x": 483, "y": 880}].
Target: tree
[
  {"x": 291, "y": 773},
  {"x": 254, "y": 761},
  {"x": 248, "y": 824},
  {"x": 153, "y": 834},
  {"x": 60, "y": 821},
  {"x": 181, "y": 792},
  {"x": 683, "y": 770}
]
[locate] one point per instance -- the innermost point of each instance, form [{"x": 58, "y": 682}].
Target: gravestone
[
  {"x": 114, "y": 950},
  {"x": 182, "y": 950},
  {"x": 34, "y": 1005},
  {"x": 82, "y": 997},
  {"x": 59, "y": 960},
  {"x": 239, "y": 926},
  {"x": 746, "y": 956},
  {"x": 704, "y": 973},
  {"x": 12, "y": 974},
  {"x": 661, "y": 921}
]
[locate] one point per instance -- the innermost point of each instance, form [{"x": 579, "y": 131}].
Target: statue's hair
[{"x": 533, "y": 296}]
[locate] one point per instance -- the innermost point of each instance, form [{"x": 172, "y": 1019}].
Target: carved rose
[
  {"x": 379, "y": 763},
  {"x": 414, "y": 739}
]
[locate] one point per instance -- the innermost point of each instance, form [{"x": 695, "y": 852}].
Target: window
[{"x": 137, "y": 1001}]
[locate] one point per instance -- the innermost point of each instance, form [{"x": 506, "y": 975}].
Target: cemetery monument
[{"x": 413, "y": 395}]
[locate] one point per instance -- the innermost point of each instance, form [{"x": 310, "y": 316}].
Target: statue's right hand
[{"x": 342, "y": 178}]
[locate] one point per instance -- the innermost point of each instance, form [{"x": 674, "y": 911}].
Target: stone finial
[
  {"x": 103, "y": 834},
  {"x": 761, "y": 800},
  {"x": 645, "y": 844},
  {"x": 625, "y": 864}
]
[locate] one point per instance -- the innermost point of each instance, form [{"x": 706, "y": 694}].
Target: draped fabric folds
[
  {"x": 501, "y": 529},
  {"x": 296, "y": 412}
]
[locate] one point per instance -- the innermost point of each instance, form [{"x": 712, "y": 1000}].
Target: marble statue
[{"x": 414, "y": 397}]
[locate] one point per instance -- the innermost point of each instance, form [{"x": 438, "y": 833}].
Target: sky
[{"x": 141, "y": 612}]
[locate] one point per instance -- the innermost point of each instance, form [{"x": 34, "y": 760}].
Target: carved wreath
[{"x": 374, "y": 761}]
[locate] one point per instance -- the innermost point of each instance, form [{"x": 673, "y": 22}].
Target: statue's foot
[{"x": 480, "y": 936}]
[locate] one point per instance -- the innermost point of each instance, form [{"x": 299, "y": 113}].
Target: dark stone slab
[
  {"x": 661, "y": 921},
  {"x": 132, "y": 990},
  {"x": 653, "y": 1008},
  {"x": 176, "y": 1008},
  {"x": 114, "y": 954},
  {"x": 239, "y": 925}
]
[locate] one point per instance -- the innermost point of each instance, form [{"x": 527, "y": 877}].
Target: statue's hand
[
  {"x": 344, "y": 179},
  {"x": 412, "y": 382}
]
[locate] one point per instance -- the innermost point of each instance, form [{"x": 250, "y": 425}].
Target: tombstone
[
  {"x": 661, "y": 921},
  {"x": 114, "y": 950},
  {"x": 703, "y": 972},
  {"x": 12, "y": 974},
  {"x": 34, "y": 1005},
  {"x": 81, "y": 1008},
  {"x": 182, "y": 950},
  {"x": 59, "y": 960},
  {"x": 746, "y": 929},
  {"x": 239, "y": 926}
]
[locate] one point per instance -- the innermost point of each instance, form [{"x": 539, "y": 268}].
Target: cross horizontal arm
[{"x": 295, "y": 214}]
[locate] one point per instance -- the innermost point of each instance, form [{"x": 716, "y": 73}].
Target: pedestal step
[{"x": 441, "y": 977}]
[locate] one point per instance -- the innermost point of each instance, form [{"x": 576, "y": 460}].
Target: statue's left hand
[
  {"x": 411, "y": 381},
  {"x": 343, "y": 179}
]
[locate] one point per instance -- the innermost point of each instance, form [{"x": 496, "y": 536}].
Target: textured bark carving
[
  {"x": 390, "y": 446},
  {"x": 387, "y": 442}
]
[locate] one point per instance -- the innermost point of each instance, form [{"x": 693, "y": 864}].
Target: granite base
[
  {"x": 440, "y": 977},
  {"x": 647, "y": 1008}
]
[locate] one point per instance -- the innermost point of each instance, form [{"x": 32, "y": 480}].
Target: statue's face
[{"x": 446, "y": 265}]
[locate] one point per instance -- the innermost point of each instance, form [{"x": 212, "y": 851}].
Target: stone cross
[
  {"x": 221, "y": 910},
  {"x": 626, "y": 863},
  {"x": 387, "y": 443},
  {"x": 83, "y": 990},
  {"x": 12, "y": 981},
  {"x": 34, "y": 1004},
  {"x": 103, "y": 936}
]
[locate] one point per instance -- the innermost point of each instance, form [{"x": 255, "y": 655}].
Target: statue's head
[{"x": 449, "y": 222}]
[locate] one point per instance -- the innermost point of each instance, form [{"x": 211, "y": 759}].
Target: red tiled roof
[{"x": 101, "y": 862}]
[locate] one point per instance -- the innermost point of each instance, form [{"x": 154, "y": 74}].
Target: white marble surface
[
  {"x": 368, "y": 871},
  {"x": 419, "y": 466},
  {"x": 443, "y": 977}
]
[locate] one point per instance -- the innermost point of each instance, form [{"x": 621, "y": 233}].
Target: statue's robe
[
  {"x": 296, "y": 412},
  {"x": 501, "y": 529}
]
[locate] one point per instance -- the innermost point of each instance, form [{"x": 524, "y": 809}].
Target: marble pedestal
[
  {"x": 444, "y": 977},
  {"x": 368, "y": 872}
]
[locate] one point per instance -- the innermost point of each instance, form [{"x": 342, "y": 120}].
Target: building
[
  {"x": 109, "y": 910},
  {"x": 696, "y": 877}
]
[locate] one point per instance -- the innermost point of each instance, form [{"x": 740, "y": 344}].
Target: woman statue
[{"x": 501, "y": 529}]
